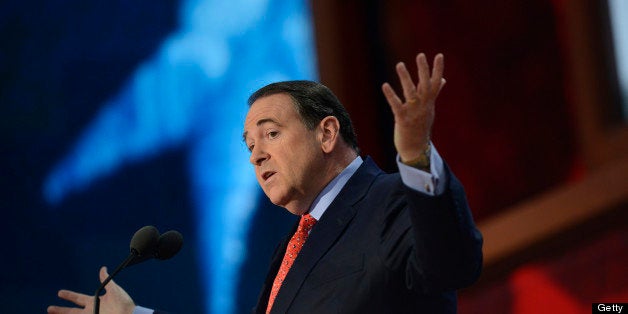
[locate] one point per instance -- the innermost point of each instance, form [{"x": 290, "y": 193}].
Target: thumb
[
  {"x": 440, "y": 86},
  {"x": 103, "y": 273}
]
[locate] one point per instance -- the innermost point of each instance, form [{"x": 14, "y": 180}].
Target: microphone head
[
  {"x": 169, "y": 244},
  {"x": 145, "y": 241}
]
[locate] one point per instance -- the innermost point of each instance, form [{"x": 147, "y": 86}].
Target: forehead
[{"x": 278, "y": 108}]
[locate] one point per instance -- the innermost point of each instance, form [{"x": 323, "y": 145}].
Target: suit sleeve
[
  {"x": 432, "y": 240},
  {"x": 448, "y": 246}
]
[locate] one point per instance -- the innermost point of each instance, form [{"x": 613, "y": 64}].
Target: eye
[
  {"x": 250, "y": 147},
  {"x": 272, "y": 134}
]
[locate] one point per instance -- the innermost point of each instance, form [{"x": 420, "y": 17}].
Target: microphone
[
  {"x": 167, "y": 246},
  {"x": 144, "y": 241},
  {"x": 145, "y": 244}
]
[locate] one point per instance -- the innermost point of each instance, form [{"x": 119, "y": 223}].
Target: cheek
[
  {"x": 297, "y": 158},
  {"x": 306, "y": 164},
  {"x": 292, "y": 169}
]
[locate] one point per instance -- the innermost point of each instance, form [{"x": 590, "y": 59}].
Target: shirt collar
[{"x": 329, "y": 193}]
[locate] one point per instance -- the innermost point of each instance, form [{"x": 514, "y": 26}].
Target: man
[{"x": 367, "y": 242}]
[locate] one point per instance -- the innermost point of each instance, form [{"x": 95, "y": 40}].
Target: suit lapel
[
  {"x": 325, "y": 233},
  {"x": 280, "y": 251}
]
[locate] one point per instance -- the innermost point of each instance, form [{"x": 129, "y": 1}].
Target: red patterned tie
[{"x": 294, "y": 246}]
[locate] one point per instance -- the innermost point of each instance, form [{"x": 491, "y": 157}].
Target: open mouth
[{"x": 266, "y": 175}]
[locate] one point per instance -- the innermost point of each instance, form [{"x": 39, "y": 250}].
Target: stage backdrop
[{"x": 121, "y": 114}]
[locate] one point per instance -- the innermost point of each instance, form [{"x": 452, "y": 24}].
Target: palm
[{"x": 414, "y": 116}]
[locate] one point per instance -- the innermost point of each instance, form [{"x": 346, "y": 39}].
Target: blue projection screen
[{"x": 160, "y": 109}]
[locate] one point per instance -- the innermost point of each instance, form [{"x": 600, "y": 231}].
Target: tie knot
[{"x": 306, "y": 223}]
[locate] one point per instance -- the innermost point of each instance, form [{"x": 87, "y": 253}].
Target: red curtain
[{"x": 505, "y": 123}]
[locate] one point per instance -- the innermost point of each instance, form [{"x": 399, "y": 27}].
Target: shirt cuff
[
  {"x": 142, "y": 310},
  {"x": 431, "y": 183}
]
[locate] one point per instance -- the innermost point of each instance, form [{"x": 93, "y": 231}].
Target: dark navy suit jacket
[{"x": 382, "y": 247}]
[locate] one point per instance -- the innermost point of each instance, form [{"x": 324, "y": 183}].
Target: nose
[{"x": 258, "y": 155}]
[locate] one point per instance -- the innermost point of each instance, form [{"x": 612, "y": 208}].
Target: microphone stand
[{"x": 131, "y": 256}]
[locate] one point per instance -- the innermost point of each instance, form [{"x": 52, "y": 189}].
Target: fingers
[
  {"x": 77, "y": 298},
  {"x": 437, "y": 71},
  {"x": 53, "y": 309},
  {"x": 430, "y": 84},
  {"x": 409, "y": 89},
  {"x": 424, "y": 73},
  {"x": 427, "y": 88},
  {"x": 392, "y": 98},
  {"x": 85, "y": 302}
]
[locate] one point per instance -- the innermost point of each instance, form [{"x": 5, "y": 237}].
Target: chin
[
  {"x": 286, "y": 204},
  {"x": 286, "y": 199},
  {"x": 278, "y": 200},
  {"x": 295, "y": 211}
]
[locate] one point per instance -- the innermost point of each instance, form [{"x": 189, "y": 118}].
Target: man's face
[{"x": 288, "y": 159}]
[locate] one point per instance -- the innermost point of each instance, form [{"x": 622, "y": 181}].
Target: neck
[{"x": 335, "y": 163}]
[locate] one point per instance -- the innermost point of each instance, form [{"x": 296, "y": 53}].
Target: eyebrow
[{"x": 258, "y": 123}]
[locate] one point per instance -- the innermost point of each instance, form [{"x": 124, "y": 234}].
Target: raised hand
[{"x": 414, "y": 116}]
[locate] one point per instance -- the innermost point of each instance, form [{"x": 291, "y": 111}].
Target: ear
[{"x": 329, "y": 134}]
